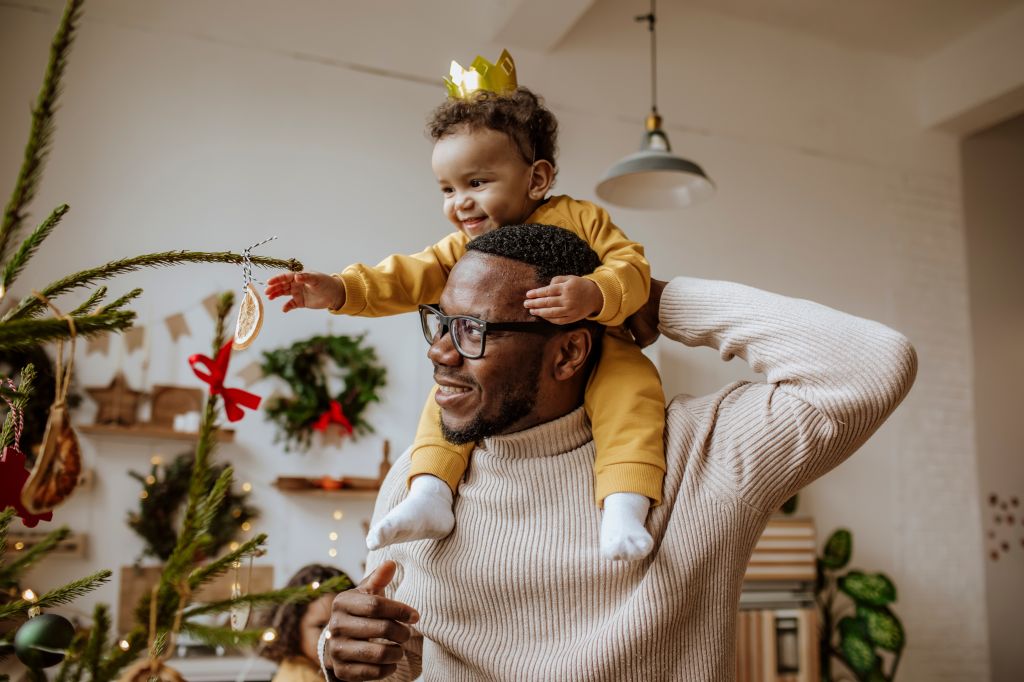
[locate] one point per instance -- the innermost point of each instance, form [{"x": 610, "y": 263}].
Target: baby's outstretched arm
[
  {"x": 307, "y": 290},
  {"x": 565, "y": 300}
]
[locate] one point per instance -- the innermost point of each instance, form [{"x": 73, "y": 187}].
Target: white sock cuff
[
  {"x": 426, "y": 485},
  {"x": 634, "y": 504}
]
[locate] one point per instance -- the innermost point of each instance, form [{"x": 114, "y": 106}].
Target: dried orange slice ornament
[{"x": 250, "y": 318}]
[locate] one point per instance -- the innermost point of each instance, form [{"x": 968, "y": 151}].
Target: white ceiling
[{"x": 909, "y": 28}]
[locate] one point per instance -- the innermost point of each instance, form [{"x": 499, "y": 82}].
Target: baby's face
[{"x": 484, "y": 180}]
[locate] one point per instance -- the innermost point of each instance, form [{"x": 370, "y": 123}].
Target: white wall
[
  {"x": 199, "y": 125},
  {"x": 993, "y": 168}
]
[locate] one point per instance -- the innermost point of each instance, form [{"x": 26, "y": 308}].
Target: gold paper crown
[{"x": 499, "y": 77}]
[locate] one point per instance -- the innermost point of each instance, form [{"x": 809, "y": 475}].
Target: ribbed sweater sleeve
[{"x": 831, "y": 379}]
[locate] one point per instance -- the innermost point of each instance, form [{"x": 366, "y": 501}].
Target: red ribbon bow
[
  {"x": 234, "y": 398},
  {"x": 333, "y": 415}
]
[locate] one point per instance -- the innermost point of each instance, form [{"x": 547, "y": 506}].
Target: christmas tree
[{"x": 170, "y": 609}]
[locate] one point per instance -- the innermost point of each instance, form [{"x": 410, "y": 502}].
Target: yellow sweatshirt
[
  {"x": 624, "y": 398},
  {"x": 399, "y": 283}
]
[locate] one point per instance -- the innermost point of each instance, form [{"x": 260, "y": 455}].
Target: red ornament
[
  {"x": 234, "y": 398},
  {"x": 13, "y": 475},
  {"x": 333, "y": 415}
]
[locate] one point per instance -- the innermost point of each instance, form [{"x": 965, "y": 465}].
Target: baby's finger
[
  {"x": 543, "y": 292},
  {"x": 549, "y": 313},
  {"x": 548, "y": 302},
  {"x": 291, "y": 304}
]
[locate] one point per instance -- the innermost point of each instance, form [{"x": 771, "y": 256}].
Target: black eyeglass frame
[{"x": 540, "y": 326}]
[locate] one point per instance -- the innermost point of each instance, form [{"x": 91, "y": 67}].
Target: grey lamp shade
[{"x": 654, "y": 177}]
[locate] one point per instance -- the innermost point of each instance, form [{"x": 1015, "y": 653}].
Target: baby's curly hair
[
  {"x": 520, "y": 114},
  {"x": 286, "y": 619}
]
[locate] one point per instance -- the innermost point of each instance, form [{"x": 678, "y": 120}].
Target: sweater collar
[{"x": 556, "y": 437}]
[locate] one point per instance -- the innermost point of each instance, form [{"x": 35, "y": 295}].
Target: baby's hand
[
  {"x": 566, "y": 300},
  {"x": 307, "y": 290}
]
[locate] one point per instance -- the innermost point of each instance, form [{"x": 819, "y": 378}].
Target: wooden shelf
[
  {"x": 149, "y": 431},
  {"x": 347, "y": 487}
]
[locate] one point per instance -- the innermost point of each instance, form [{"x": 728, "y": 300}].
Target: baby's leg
[
  {"x": 437, "y": 468},
  {"x": 626, "y": 406}
]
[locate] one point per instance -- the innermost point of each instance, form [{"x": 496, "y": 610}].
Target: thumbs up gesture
[{"x": 367, "y": 630}]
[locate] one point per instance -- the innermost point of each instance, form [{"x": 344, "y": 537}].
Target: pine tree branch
[
  {"x": 30, "y": 305},
  {"x": 205, "y": 573},
  {"x": 29, "y": 247},
  {"x": 31, "y": 331},
  {"x": 222, "y": 636},
  {"x": 41, "y": 133},
  {"x": 97, "y": 642},
  {"x": 90, "y": 303},
  {"x": 300, "y": 594},
  {"x": 119, "y": 303},
  {"x": 33, "y": 554},
  {"x": 61, "y": 595},
  {"x": 117, "y": 658},
  {"x": 6, "y": 517}
]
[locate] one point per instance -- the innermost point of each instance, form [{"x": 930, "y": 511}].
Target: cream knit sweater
[{"x": 518, "y": 590}]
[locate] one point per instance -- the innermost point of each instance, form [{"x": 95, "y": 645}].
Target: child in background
[
  {"x": 298, "y": 627},
  {"x": 494, "y": 158}
]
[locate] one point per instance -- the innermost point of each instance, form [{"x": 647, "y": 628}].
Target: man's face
[{"x": 496, "y": 393}]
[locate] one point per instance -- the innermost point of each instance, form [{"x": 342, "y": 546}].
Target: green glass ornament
[{"x": 42, "y": 641}]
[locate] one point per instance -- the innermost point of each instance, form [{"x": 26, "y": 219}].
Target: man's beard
[{"x": 520, "y": 397}]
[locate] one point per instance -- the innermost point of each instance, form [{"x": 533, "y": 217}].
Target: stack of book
[{"x": 778, "y": 634}]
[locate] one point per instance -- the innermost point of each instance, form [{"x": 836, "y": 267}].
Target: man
[{"x": 518, "y": 591}]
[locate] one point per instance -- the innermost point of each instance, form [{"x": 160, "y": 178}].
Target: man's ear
[
  {"x": 571, "y": 355},
  {"x": 542, "y": 176}
]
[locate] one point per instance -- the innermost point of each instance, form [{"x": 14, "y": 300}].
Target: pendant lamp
[{"x": 654, "y": 177}]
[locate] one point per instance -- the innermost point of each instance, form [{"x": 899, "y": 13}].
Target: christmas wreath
[
  {"x": 164, "y": 493},
  {"x": 310, "y": 368}
]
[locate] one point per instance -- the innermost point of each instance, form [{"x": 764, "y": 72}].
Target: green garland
[
  {"x": 164, "y": 493},
  {"x": 306, "y": 367}
]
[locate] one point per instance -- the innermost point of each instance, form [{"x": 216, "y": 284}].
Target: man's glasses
[{"x": 469, "y": 334}]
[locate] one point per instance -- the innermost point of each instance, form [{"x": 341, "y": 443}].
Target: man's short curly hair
[
  {"x": 551, "y": 250},
  {"x": 520, "y": 114}
]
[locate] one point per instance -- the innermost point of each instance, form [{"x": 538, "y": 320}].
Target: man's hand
[
  {"x": 368, "y": 629},
  {"x": 644, "y": 322},
  {"x": 566, "y": 300},
  {"x": 307, "y": 290}
]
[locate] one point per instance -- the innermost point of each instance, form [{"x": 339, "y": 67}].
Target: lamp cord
[{"x": 650, "y": 19}]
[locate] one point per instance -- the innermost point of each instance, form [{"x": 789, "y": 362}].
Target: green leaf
[
  {"x": 837, "y": 550},
  {"x": 884, "y": 628},
  {"x": 874, "y": 589},
  {"x": 855, "y": 647}
]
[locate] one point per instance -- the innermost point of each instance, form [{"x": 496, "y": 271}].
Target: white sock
[
  {"x": 425, "y": 514},
  {"x": 623, "y": 536}
]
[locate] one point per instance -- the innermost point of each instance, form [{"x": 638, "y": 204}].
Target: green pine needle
[
  {"x": 119, "y": 303},
  {"x": 29, "y": 247},
  {"x": 207, "y": 572},
  {"x": 41, "y": 133},
  {"x": 222, "y": 636},
  {"x": 56, "y": 597},
  {"x": 31, "y": 305},
  {"x": 90, "y": 303},
  {"x": 30, "y": 331},
  {"x": 31, "y": 556}
]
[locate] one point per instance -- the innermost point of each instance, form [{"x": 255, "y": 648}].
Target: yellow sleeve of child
[
  {"x": 624, "y": 276},
  {"x": 398, "y": 284}
]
